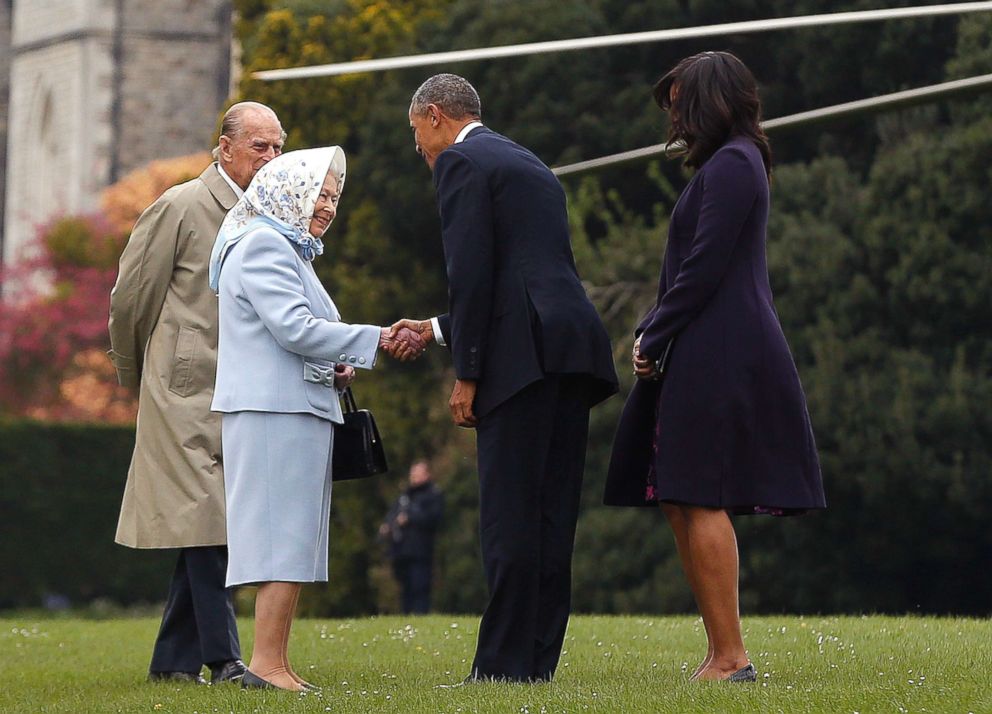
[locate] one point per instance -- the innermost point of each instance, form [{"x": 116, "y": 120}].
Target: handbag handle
[{"x": 349, "y": 400}]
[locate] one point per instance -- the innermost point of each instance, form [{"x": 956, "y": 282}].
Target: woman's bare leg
[
  {"x": 679, "y": 528},
  {"x": 713, "y": 552}
]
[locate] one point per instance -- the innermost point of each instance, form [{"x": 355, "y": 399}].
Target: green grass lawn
[{"x": 610, "y": 664}]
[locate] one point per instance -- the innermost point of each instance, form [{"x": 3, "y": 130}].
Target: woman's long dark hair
[{"x": 716, "y": 98}]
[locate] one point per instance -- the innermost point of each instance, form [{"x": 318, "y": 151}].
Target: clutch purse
[
  {"x": 661, "y": 366},
  {"x": 358, "y": 451}
]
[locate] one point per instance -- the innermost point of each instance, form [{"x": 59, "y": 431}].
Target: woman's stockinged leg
[
  {"x": 285, "y": 638},
  {"x": 274, "y": 608},
  {"x": 285, "y": 646},
  {"x": 713, "y": 551},
  {"x": 677, "y": 521}
]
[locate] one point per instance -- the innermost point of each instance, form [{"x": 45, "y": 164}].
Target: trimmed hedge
[{"x": 60, "y": 494}]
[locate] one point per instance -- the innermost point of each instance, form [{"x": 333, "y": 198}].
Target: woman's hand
[
  {"x": 644, "y": 368},
  {"x": 344, "y": 375}
]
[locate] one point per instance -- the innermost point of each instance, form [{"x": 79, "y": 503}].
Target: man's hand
[
  {"x": 462, "y": 397},
  {"x": 402, "y": 343},
  {"x": 344, "y": 375},
  {"x": 643, "y": 366},
  {"x": 424, "y": 328}
]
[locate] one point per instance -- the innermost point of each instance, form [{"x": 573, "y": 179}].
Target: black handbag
[
  {"x": 358, "y": 451},
  {"x": 661, "y": 366}
]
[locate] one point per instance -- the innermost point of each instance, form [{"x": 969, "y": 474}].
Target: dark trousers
[
  {"x": 414, "y": 576},
  {"x": 531, "y": 458},
  {"x": 198, "y": 625}
]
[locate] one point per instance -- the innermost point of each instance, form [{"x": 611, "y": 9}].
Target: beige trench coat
[{"x": 163, "y": 336}]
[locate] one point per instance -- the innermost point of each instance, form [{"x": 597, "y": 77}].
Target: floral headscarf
[{"x": 282, "y": 196}]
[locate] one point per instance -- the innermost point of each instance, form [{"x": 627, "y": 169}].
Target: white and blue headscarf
[{"x": 282, "y": 196}]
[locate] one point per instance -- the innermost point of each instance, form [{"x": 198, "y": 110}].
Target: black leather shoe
[
  {"x": 744, "y": 674},
  {"x": 190, "y": 677},
  {"x": 249, "y": 680},
  {"x": 231, "y": 671}
]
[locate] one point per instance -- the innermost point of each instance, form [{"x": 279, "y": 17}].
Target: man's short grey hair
[
  {"x": 454, "y": 95},
  {"x": 233, "y": 123}
]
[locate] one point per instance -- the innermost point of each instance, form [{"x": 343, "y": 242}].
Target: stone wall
[
  {"x": 5, "y": 20},
  {"x": 95, "y": 93},
  {"x": 60, "y": 94},
  {"x": 176, "y": 74}
]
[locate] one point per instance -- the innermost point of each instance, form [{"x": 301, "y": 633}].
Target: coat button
[
  {"x": 353, "y": 359},
  {"x": 361, "y": 360},
  {"x": 342, "y": 358}
]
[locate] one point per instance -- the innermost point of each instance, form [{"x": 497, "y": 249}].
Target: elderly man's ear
[{"x": 224, "y": 143}]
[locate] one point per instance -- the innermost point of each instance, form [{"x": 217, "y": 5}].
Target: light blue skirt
[{"x": 277, "y": 479}]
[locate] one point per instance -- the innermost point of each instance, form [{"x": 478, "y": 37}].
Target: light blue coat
[{"x": 280, "y": 333}]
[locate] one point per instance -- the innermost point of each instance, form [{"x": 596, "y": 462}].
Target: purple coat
[{"x": 728, "y": 426}]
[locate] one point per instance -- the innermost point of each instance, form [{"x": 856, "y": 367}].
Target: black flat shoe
[
  {"x": 744, "y": 674},
  {"x": 188, "y": 677},
  {"x": 231, "y": 671},
  {"x": 249, "y": 680}
]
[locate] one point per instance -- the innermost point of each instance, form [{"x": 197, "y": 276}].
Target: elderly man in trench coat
[{"x": 163, "y": 333}]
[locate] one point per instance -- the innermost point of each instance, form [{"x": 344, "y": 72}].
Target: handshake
[{"x": 407, "y": 339}]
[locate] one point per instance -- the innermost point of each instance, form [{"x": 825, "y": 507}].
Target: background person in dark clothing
[{"x": 409, "y": 529}]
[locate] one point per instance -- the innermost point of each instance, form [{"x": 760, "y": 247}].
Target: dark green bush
[{"x": 60, "y": 493}]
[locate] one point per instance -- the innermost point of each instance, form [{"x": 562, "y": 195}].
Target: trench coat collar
[{"x": 218, "y": 187}]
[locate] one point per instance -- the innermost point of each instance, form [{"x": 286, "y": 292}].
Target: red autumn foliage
[
  {"x": 56, "y": 300},
  {"x": 55, "y": 307}
]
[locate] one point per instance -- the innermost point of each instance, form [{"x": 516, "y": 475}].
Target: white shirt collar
[
  {"x": 230, "y": 182},
  {"x": 465, "y": 130}
]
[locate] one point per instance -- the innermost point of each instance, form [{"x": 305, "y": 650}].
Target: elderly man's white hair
[
  {"x": 454, "y": 95},
  {"x": 233, "y": 123}
]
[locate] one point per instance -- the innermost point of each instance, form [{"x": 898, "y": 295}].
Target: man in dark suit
[{"x": 531, "y": 358}]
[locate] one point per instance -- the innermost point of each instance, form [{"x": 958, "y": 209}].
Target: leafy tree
[
  {"x": 52, "y": 310},
  {"x": 53, "y": 322},
  {"x": 878, "y": 251}
]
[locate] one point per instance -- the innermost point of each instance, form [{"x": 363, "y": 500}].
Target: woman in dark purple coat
[{"x": 716, "y": 423}]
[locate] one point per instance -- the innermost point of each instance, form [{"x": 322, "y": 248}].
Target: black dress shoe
[
  {"x": 249, "y": 680},
  {"x": 744, "y": 674},
  {"x": 231, "y": 671},
  {"x": 191, "y": 677}
]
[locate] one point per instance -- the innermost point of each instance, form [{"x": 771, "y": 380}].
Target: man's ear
[
  {"x": 434, "y": 114},
  {"x": 224, "y": 142}
]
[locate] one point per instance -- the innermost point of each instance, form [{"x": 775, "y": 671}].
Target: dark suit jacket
[{"x": 517, "y": 309}]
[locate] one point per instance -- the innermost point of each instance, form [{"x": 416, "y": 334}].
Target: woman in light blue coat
[{"x": 283, "y": 354}]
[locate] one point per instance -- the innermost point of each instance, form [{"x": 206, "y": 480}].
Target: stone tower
[{"x": 100, "y": 87}]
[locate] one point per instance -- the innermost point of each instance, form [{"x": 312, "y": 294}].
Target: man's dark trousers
[
  {"x": 414, "y": 576},
  {"x": 531, "y": 457},
  {"x": 198, "y": 626}
]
